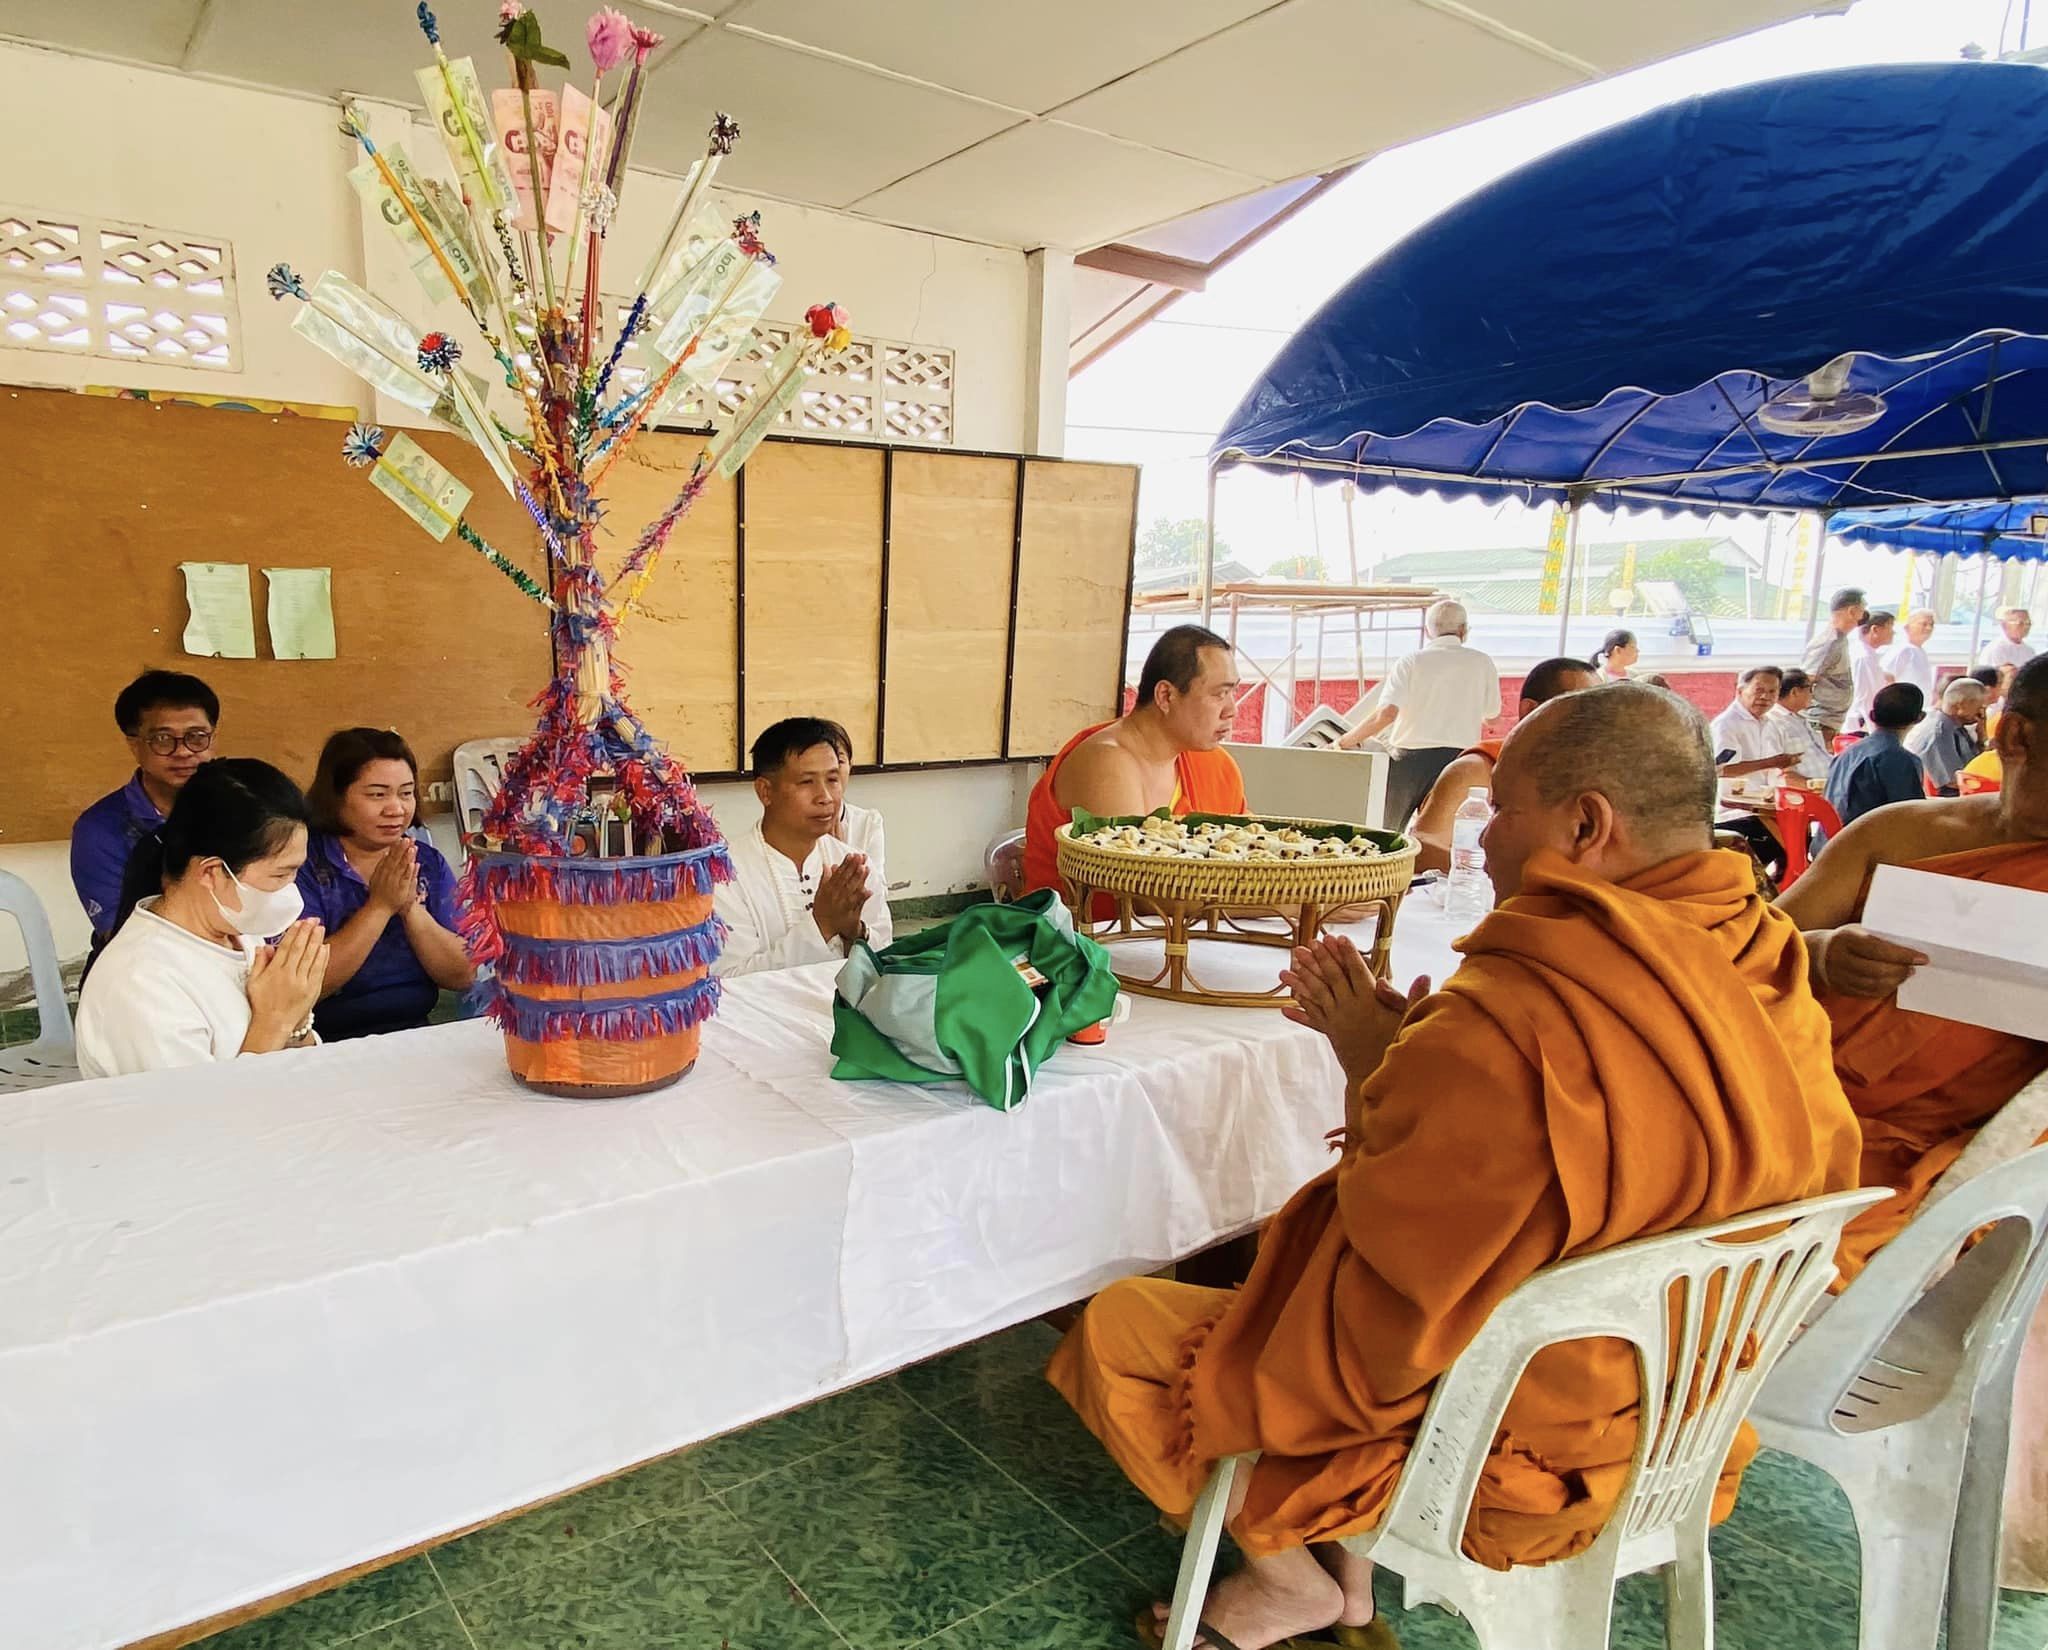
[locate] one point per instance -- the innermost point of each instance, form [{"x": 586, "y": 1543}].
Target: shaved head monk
[
  {"x": 1629, "y": 1047},
  {"x": 1921, "y": 1086},
  {"x": 1473, "y": 768},
  {"x": 1165, "y": 754}
]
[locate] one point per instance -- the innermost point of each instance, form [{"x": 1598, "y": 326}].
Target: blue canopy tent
[
  {"x": 1818, "y": 292},
  {"x": 2007, "y": 530}
]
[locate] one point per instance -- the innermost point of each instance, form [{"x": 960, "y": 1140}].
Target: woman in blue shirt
[{"x": 388, "y": 900}]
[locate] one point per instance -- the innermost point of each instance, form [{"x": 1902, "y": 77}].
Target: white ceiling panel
[
  {"x": 1208, "y": 234},
  {"x": 1050, "y": 185},
  {"x": 145, "y": 31},
  {"x": 900, "y": 109},
  {"x": 1050, "y": 52},
  {"x": 810, "y": 129},
  {"x": 374, "y": 48},
  {"x": 1335, "y": 79},
  {"x": 1613, "y": 38}
]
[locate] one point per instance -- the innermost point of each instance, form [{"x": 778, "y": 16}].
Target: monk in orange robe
[
  {"x": 1629, "y": 1047},
  {"x": 1472, "y": 769},
  {"x": 1164, "y": 754},
  {"x": 1921, "y": 1086}
]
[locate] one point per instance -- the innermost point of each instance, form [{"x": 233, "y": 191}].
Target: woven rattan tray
[{"x": 1120, "y": 896}]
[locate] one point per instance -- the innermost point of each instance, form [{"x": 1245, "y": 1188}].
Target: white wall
[{"x": 267, "y": 172}]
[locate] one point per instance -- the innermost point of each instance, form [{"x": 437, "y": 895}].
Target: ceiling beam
[{"x": 1181, "y": 274}]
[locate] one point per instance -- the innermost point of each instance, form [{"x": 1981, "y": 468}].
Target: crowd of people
[
  {"x": 235, "y": 913},
  {"x": 1635, "y": 1041}
]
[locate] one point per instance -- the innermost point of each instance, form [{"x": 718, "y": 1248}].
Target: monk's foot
[
  {"x": 1270, "y": 1600},
  {"x": 1354, "y": 1575}
]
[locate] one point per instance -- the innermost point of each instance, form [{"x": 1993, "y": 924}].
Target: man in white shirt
[
  {"x": 1746, "y": 741},
  {"x": 1907, "y": 661},
  {"x": 2011, "y": 648},
  {"x": 1790, "y": 727},
  {"x": 1437, "y": 702},
  {"x": 1866, "y": 666},
  {"x": 799, "y": 894}
]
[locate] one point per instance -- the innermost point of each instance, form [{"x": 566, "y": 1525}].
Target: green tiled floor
[{"x": 956, "y": 1507}]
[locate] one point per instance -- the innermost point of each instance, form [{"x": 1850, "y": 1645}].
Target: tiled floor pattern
[{"x": 956, "y": 1507}]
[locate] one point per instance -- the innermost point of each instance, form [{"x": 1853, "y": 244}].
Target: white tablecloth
[{"x": 263, "y": 1321}]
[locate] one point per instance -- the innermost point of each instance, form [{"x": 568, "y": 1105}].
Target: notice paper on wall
[
  {"x": 301, "y": 612},
  {"x": 1986, "y": 945},
  {"x": 221, "y": 624}
]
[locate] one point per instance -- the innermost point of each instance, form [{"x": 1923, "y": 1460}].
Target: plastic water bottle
[{"x": 1468, "y": 894}]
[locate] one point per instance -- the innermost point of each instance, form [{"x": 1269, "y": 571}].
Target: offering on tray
[
  {"x": 1221, "y": 877},
  {"x": 1255, "y": 841}
]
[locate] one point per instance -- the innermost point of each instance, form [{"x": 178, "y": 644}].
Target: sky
[{"x": 1159, "y": 397}]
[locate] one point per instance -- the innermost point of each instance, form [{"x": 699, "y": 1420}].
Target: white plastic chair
[
  {"x": 52, "y": 1057},
  {"x": 1728, "y": 1291},
  {"x": 1902, "y": 1391},
  {"x": 479, "y": 770}
]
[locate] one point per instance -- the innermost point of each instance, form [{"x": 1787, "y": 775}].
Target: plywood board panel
[
  {"x": 952, "y": 522},
  {"x": 681, "y": 649},
  {"x": 1073, "y": 596},
  {"x": 813, "y": 550},
  {"x": 107, "y": 497}
]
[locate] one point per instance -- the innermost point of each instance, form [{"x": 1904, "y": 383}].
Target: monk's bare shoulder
[
  {"x": 1906, "y": 831},
  {"x": 1831, "y": 893},
  {"x": 1101, "y": 775}
]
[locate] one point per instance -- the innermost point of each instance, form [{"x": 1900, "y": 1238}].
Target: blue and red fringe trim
[
  {"x": 529, "y": 961},
  {"x": 564, "y": 881},
  {"x": 608, "y": 1019}
]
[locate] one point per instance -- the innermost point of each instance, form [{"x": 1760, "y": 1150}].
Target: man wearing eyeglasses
[{"x": 168, "y": 720}]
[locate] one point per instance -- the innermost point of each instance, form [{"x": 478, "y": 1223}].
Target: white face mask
[{"x": 263, "y": 914}]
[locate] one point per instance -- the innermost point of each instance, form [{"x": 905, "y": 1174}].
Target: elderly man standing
[
  {"x": 1907, "y": 661},
  {"x": 2012, "y": 647},
  {"x": 1830, "y": 665},
  {"x": 1437, "y": 702},
  {"x": 1950, "y": 740},
  {"x": 1629, "y": 1047}
]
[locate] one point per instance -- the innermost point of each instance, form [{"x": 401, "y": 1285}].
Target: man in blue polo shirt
[
  {"x": 168, "y": 720},
  {"x": 1878, "y": 769}
]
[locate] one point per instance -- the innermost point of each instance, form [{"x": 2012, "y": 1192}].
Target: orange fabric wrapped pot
[{"x": 602, "y": 967}]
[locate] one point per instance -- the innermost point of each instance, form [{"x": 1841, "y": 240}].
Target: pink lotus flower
[
  {"x": 644, "y": 41},
  {"x": 611, "y": 39}
]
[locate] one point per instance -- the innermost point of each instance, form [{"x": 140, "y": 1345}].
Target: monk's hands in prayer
[
  {"x": 842, "y": 892},
  {"x": 1336, "y": 994},
  {"x": 1857, "y": 963}
]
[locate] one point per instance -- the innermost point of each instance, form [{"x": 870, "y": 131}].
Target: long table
[{"x": 265, "y": 1321}]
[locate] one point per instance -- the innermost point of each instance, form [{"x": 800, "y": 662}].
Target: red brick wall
[{"x": 1709, "y": 689}]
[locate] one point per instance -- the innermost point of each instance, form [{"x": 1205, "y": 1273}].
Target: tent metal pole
[
  {"x": 1571, "y": 562},
  {"x": 1977, "y": 618},
  {"x": 1209, "y": 549},
  {"x": 1820, "y": 556},
  {"x": 1351, "y": 567}
]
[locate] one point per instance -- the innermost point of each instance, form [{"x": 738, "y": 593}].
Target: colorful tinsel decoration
[
  {"x": 439, "y": 352},
  {"x": 283, "y": 282},
  {"x": 363, "y": 445}
]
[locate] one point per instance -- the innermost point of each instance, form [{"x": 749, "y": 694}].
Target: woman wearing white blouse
[{"x": 187, "y": 977}]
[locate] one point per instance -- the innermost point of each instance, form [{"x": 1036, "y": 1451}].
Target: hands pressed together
[
  {"x": 1336, "y": 993},
  {"x": 842, "y": 894},
  {"x": 284, "y": 984}
]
